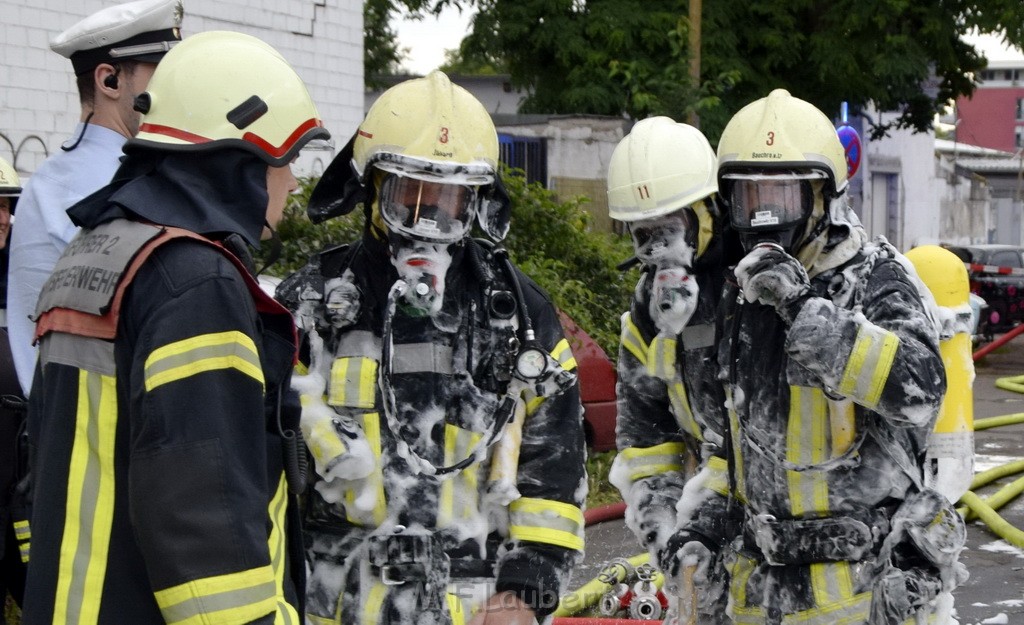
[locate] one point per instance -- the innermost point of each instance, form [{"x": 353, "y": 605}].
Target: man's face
[
  {"x": 135, "y": 82},
  {"x": 280, "y": 184},
  {"x": 5, "y": 220}
]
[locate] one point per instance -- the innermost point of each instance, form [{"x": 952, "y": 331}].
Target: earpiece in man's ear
[{"x": 110, "y": 82}]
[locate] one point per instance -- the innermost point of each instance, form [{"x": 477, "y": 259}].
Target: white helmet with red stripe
[{"x": 221, "y": 89}]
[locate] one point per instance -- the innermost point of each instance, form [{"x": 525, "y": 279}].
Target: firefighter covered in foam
[
  {"x": 440, "y": 403},
  {"x": 829, "y": 350},
  {"x": 662, "y": 185}
]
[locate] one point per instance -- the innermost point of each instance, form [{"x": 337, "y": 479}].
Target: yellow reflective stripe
[
  {"x": 661, "y": 358},
  {"x": 301, "y": 369},
  {"x": 370, "y": 423},
  {"x": 868, "y": 367},
  {"x": 681, "y": 408},
  {"x": 718, "y": 475},
  {"x": 456, "y": 610},
  {"x": 830, "y": 582},
  {"x": 323, "y": 440},
  {"x": 373, "y": 604},
  {"x": 740, "y": 574},
  {"x": 632, "y": 341},
  {"x": 563, "y": 354},
  {"x": 22, "y": 530},
  {"x": 286, "y": 613},
  {"x": 843, "y": 424},
  {"x": 198, "y": 354},
  {"x": 852, "y": 611},
  {"x": 231, "y": 598},
  {"x": 533, "y": 404},
  {"x": 546, "y": 521},
  {"x": 353, "y": 382},
  {"x": 90, "y": 502},
  {"x": 643, "y": 462},
  {"x": 805, "y": 445},
  {"x": 24, "y": 549}
]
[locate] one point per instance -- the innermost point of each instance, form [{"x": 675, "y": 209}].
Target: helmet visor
[
  {"x": 666, "y": 237},
  {"x": 427, "y": 211},
  {"x": 769, "y": 201}
]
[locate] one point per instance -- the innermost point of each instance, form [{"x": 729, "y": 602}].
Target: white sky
[{"x": 428, "y": 38}]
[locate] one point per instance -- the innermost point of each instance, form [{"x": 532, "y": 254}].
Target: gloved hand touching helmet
[{"x": 774, "y": 278}]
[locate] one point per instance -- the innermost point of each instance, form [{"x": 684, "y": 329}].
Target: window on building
[
  {"x": 988, "y": 75},
  {"x": 1018, "y": 137},
  {"x": 1020, "y": 109},
  {"x": 527, "y": 153}
]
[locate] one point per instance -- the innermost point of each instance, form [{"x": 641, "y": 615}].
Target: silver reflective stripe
[
  {"x": 358, "y": 343},
  {"x": 698, "y": 336},
  {"x": 422, "y": 358},
  {"x": 215, "y": 602},
  {"x": 81, "y": 352}
]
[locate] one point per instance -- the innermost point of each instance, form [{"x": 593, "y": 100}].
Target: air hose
[{"x": 974, "y": 507}]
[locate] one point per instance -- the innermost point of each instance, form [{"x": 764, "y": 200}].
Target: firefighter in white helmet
[
  {"x": 161, "y": 409},
  {"x": 834, "y": 380},
  {"x": 440, "y": 405},
  {"x": 662, "y": 185}
]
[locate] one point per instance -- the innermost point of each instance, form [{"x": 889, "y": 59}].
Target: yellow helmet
[
  {"x": 10, "y": 184},
  {"x": 781, "y": 132},
  {"x": 427, "y": 129},
  {"x": 779, "y": 162},
  {"x": 663, "y": 167},
  {"x": 221, "y": 89}
]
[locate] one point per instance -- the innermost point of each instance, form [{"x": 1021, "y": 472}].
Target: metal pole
[{"x": 695, "y": 16}]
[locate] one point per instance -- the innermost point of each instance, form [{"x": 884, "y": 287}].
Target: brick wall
[{"x": 39, "y": 106}]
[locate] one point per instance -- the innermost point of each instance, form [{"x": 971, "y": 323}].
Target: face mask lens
[
  {"x": 431, "y": 211},
  {"x": 652, "y": 238},
  {"x": 769, "y": 202}
]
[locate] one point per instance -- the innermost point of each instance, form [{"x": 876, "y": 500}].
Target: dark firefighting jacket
[
  {"x": 156, "y": 424},
  {"x": 669, "y": 399},
  {"x": 448, "y": 375},
  {"x": 828, "y": 421}
]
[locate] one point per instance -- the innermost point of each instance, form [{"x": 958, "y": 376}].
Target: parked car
[{"x": 996, "y": 274}]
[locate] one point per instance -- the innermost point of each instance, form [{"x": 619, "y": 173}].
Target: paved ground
[{"x": 994, "y": 595}]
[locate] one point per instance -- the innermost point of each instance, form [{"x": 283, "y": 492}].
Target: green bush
[{"x": 549, "y": 240}]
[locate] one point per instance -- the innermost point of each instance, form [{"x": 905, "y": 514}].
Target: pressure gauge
[{"x": 531, "y": 363}]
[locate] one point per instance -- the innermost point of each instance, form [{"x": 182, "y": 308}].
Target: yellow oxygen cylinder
[{"x": 951, "y": 445}]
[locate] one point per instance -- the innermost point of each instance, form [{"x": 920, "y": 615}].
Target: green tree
[{"x": 627, "y": 56}]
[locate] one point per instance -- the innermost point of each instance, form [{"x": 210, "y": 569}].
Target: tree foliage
[
  {"x": 629, "y": 56},
  {"x": 549, "y": 240}
]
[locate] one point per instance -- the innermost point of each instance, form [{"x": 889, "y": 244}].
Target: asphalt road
[{"x": 994, "y": 594}]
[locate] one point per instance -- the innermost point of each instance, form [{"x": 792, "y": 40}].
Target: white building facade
[{"x": 39, "y": 101}]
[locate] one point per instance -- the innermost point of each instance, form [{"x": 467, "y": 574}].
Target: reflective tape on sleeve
[
  {"x": 198, "y": 354},
  {"x": 632, "y": 341},
  {"x": 546, "y": 521},
  {"x": 641, "y": 462},
  {"x": 232, "y": 598},
  {"x": 868, "y": 366}
]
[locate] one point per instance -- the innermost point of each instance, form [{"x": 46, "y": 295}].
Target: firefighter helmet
[
  {"x": 222, "y": 89},
  {"x": 661, "y": 168},
  {"x": 427, "y": 129},
  {"x": 10, "y": 184},
  {"x": 779, "y": 160}
]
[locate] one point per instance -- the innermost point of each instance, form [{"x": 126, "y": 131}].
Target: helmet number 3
[
  {"x": 771, "y": 138},
  {"x": 443, "y": 136}
]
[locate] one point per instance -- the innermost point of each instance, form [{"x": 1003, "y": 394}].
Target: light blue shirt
[{"x": 42, "y": 229}]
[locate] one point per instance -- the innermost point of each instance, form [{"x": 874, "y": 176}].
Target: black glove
[
  {"x": 682, "y": 545},
  {"x": 774, "y": 278}
]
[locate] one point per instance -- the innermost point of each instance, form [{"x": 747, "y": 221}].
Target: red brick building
[{"x": 994, "y": 116}]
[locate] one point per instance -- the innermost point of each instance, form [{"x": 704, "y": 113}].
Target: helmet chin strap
[{"x": 276, "y": 248}]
